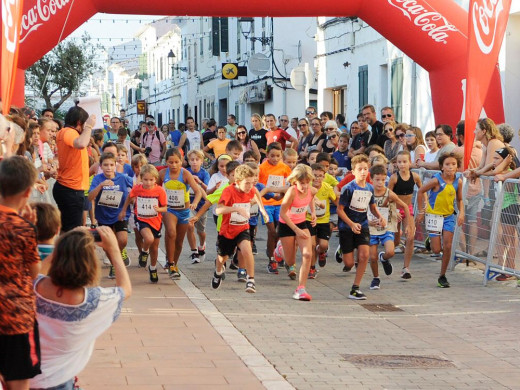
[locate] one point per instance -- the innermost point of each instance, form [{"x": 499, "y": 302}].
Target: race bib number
[
  {"x": 298, "y": 210},
  {"x": 253, "y": 212},
  {"x": 434, "y": 223},
  {"x": 110, "y": 198},
  {"x": 360, "y": 201},
  {"x": 320, "y": 212},
  {"x": 145, "y": 207},
  {"x": 236, "y": 218},
  {"x": 175, "y": 199},
  {"x": 275, "y": 181},
  {"x": 384, "y": 211}
]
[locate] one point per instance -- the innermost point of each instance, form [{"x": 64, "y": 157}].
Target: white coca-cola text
[
  {"x": 10, "y": 29},
  {"x": 484, "y": 18},
  {"x": 40, "y": 13},
  {"x": 433, "y": 23}
]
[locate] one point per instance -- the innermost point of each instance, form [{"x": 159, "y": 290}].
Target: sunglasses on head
[{"x": 386, "y": 116}]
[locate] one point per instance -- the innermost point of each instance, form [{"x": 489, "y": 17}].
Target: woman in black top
[
  {"x": 305, "y": 137},
  {"x": 318, "y": 138},
  {"x": 257, "y": 134},
  {"x": 331, "y": 144}
]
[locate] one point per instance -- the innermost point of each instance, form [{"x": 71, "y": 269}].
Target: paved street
[{"x": 187, "y": 335}]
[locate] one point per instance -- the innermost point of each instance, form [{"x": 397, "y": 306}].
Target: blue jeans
[{"x": 69, "y": 385}]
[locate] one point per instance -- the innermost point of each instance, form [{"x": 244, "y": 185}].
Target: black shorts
[
  {"x": 350, "y": 241},
  {"x": 20, "y": 355},
  {"x": 285, "y": 231},
  {"x": 119, "y": 226},
  {"x": 509, "y": 215},
  {"x": 226, "y": 246},
  {"x": 321, "y": 230},
  {"x": 140, "y": 225}
]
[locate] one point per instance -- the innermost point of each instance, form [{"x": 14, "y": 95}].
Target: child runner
[
  {"x": 177, "y": 181},
  {"x": 292, "y": 228},
  {"x": 234, "y": 205},
  {"x": 442, "y": 191},
  {"x": 109, "y": 190},
  {"x": 290, "y": 157},
  {"x": 234, "y": 149},
  {"x": 402, "y": 182},
  {"x": 355, "y": 200},
  {"x": 138, "y": 161},
  {"x": 201, "y": 176},
  {"x": 324, "y": 160},
  {"x": 149, "y": 202},
  {"x": 320, "y": 233},
  {"x": 386, "y": 202},
  {"x": 273, "y": 173},
  {"x": 341, "y": 155},
  {"x": 433, "y": 147},
  {"x": 122, "y": 160}
]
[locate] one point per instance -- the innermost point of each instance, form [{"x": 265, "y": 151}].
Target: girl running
[
  {"x": 402, "y": 183},
  {"x": 177, "y": 182},
  {"x": 442, "y": 190},
  {"x": 292, "y": 228}
]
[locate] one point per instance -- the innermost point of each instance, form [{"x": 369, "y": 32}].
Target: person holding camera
[
  {"x": 153, "y": 142},
  {"x": 70, "y": 303}
]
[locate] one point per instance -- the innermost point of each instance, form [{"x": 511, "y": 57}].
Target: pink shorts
[{"x": 401, "y": 211}]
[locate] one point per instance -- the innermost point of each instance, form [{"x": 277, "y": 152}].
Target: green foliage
[{"x": 62, "y": 71}]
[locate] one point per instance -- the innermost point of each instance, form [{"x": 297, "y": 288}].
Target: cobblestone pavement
[
  {"x": 186, "y": 335},
  {"x": 472, "y": 329}
]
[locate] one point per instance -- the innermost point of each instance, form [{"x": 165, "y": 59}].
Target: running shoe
[
  {"x": 112, "y": 272},
  {"x": 301, "y": 295},
  {"x": 376, "y": 284},
  {"x": 291, "y": 271},
  {"x": 234, "y": 262},
  {"x": 242, "y": 275},
  {"x": 125, "y": 257},
  {"x": 173, "y": 271},
  {"x": 442, "y": 282},
  {"x": 399, "y": 249},
  {"x": 322, "y": 258},
  {"x": 387, "y": 266},
  {"x": 312, "y": 273},
  {"x": 504, "y": 278},
  {"x": 346, "y": 268},
  {"x": 357, "y": 294},
  {"x": 195, "y": 259},
  {"x": 281, "y": 263},
  {"x": 202, "y": 253},
  {"x": 217, "y": 280},
  {"x": 255, "y": 251},
  {"x": 272, "y": 267},
  {"x": 339, "y": 255},
  {"x": 250, "y": 287},
  {"x": 154, "y": 278},
  {"x": 143, "y": 259},
  {"x": 405, "y": 273}
]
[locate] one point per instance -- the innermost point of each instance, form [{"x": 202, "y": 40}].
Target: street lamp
[
  {"x": 171, "y": 61},
  {"x": 246, "y": 27}
]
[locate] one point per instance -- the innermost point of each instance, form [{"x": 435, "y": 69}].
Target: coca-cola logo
[
  {"x": 41, "y": 12},
  {"x": 431, "y": 22},
  {"x": 484, "y": 17},
  {"x": 8, "y": 21}
]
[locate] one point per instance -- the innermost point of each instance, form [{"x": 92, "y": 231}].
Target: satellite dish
[
  {"x": 259, "y": 64},
  {"x": 298, "y": 78}
]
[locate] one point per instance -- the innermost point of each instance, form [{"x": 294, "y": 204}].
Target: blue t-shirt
[
  {"x": 203, "y": 176},
  {"x": 253, "y": 220},
  {"x": 356, "y": 201},
  {"x": 110, "y": 199},
  {"x": 127, "y": 170},
  {"x": 341, "y": 158},
  {"x": 175, "y": 136}
]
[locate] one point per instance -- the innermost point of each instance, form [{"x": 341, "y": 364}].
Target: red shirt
[
  {"x": 233, "y": 223},
  {"x": 348, "y": 178},
  {"x": 278, "y": 135},
  {"x": 144, "y": 202}
]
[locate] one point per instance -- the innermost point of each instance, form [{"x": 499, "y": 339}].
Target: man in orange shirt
[{"x": 73, "y": 172}]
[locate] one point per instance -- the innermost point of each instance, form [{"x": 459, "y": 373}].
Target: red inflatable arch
[{"x": 431, "y": 32}]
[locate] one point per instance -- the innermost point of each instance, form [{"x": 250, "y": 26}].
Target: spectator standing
[
  {"x": 443, "y": 135},
  {"x": 231, "y": 126},
  {"x": 376, "y": 127},
  {"x": 257, "y": 134},
  {"x": 153, "y": 143},
  {"x": 73, "y": 169}
]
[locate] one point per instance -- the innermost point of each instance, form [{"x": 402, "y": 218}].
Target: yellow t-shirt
[
  {"x": 330, "y": 180},
  {"x": 325, "y": 193},
  {"x": 218, "y": 146}
]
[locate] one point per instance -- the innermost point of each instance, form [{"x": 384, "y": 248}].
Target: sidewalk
[{"x": 162, "y": 341}]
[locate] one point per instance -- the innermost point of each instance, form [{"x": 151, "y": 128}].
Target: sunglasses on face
[
  {"x": 389, "y": 130},
  {"x": 284, "y": 120},
  {"x": 330, "y": 128},
  {"x": 333, "y": 136},
  {"x": 400, "y": 135},
  {"x": 302, "y": 125},
  {"x": 410, "y": 135},
  {"x": 241, "y": 132},
  {"x": 316, "y": 124},
  {"x": 386, "y": 116},
  {"x": 309, "y": 112}
]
